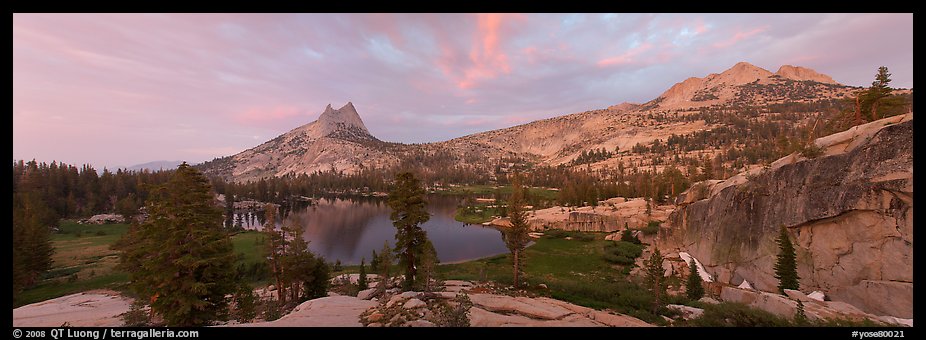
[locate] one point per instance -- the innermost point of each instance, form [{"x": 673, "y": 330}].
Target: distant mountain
[
  {"x": 747, "y": 83},
  {"x": 337, "y": 140},
  {"x": 340, "y": 141},
  {"x": 155, "y": 166}
]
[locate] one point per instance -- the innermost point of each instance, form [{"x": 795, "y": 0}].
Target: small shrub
[
  {"x": 271, "y": 309},
  {"x": 651, "y": 228},
  {"x": 583, "y": 237},
  {"x": 455, "y": 316},
  {"x": 737, "y": 315},
  {"x": 621, "y": 252},
  {"x": 628, "y": 236},
  {"x": 245, "y": 304},
  {"x": 557, "y": 233},
  {"x": 136, "y": 316},
  {"x": 811, "y": 151}
]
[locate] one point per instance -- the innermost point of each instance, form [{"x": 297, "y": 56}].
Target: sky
[{"x": 114, "y": 90}]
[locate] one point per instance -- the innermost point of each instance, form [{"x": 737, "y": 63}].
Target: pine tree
[
  {"x": 878, "y": 91},
  {"x": 385, "y": 265},
  {"x": 694, "y": 287},
  {"x": 305, "y": 274},
  {"x": 180, "y": 258},
  {"x": 655, "y": 282},
  {"x": 429, "y": 262},
  {"x": 516, "y": 236},
  {"x": 374, "y": 262},
  {"x": 408, "y": 213},
  {"x": 229, "y": 210},
  {"x": 32, "y": 249},
  {"x": 274, "y": 250},
  {"x": 362, "y": 279},
  {"x": 786, "y": 265}
]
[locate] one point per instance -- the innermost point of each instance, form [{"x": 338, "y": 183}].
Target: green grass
[
  {"x": 103, "y": 234},
  {"x": 250, "y": 245},
  {"x": 50, "y": 290},
  {"x": 469, "y": 214},
  {"x": 574, "y": 270},
  {"x": 88, "y": 260}
]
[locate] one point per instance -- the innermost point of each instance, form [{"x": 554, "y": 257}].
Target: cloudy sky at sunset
[{"x": 120, "y": 89}]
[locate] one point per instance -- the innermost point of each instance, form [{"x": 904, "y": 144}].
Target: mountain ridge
[{"x": 338, "y": 140}]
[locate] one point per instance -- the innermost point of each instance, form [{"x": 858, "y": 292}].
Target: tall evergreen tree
[
  {"x": 32, "y": 248},
  {"x": 229, "y": 209},
  {"x": 878, "y": 91},
  {"x": 694, "y": 287},
  {"x": 516, "y": 237},
  {"x": 429, "y": 262},
  {"x": 655, "y": 282},
  {"x": 786, "y": 264},
  {"x": 362, "y": 279},
  {"x": 408, "y": 213},
  {"x": 275, "y": 249},
  {"x": 374, "y": 262},
  {"x": 305, "y": 274},
  {"x": 385, "y": 266},
  {"x": 180, "y": 258}
]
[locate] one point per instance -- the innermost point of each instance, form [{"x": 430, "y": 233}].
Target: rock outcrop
[
  {"x": 331, "y": 311},
  {"x": 816, "y": 310},
  {"x": 417, "y": 309},
  {"x": 609, "y": 216},
  {"x": 850, "y": 212},
  {"x": 803, "y": 73},
  {"x": 88, "y": 309}
]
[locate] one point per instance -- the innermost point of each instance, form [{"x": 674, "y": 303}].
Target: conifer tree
[
  {"x": 179, "y": 258},
  {"x": 429, "y": 262},
  {"x": 786, "y": 264},
  {"x": 694, "y": 287},
  {"x": 408, "y": 213},
  {"x": 229, "y": 210},
  {"x": 385, "y": 265},
  {"x": 362, "y": 279},
  {"x": 878, "y": 91},
  {"x": 516, "y": 236},
  {"x": 274, "y": 250},
  {"x": 32, "y": 248},
  {"x": 305, "y": 274},
  {"x": 655, "y": 282},
  {"x": 374, "y": 262}
]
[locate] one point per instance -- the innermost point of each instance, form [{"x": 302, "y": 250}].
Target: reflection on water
[{"x": 347, "y": 229}]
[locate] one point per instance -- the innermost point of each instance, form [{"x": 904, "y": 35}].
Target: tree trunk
[
  {"x": 516, "y": 271},
  {"x": 874, "y": 111},
  {"x": 412, "y": 271},
  {"x": 858, "y": 111}
]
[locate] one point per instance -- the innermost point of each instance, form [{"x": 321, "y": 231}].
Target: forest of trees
[{"x": 72, "y": 192}]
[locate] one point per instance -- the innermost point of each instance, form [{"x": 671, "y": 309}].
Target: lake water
[{"x": 347, "y": 229}]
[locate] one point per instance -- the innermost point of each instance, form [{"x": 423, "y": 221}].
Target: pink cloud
[
  {"x": 626, "y": 57},
  {"x": 487, "y": 57},
  {"x": 739, "y": 36},
  {"x": 700, "y": 27},
  {"x": 268, "y": 115}
]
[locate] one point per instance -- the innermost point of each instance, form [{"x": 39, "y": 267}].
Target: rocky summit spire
[{"x": 345, "y": 118}]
